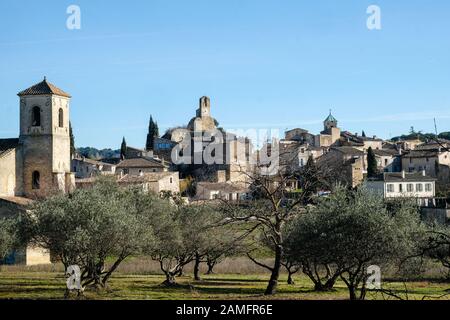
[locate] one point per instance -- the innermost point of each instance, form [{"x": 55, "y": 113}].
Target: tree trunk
[
  {"x": 290, "y": 279},
  {"x": 211, "y": 264},
  {"x": 352, "y": 292},
  {"x": 273, "y": 282},
  {"x": 197, "y": 267},
  {"x": 170, "y": 280}
]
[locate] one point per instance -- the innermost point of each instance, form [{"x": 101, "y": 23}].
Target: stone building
[
  {"x": 36, "y": 164},
  {"x": 346, "y": 165},
  {"x": 221, "y": 190},
  {"x": 331, "y": 133},
  {"x": 200, "y": 149},
  {"x": 435, "y": 162},
  {"x": 139, "y": 166},
  {"x": 156, "y": 182},
  {"x": 87, "y": 168}
]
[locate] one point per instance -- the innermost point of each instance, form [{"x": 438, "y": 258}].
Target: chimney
[
  {"x": 403, "y": 174},
  {"x": 424, "y": 173}
]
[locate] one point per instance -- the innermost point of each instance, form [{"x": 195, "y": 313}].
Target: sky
[{"x": 264, "y": 64}]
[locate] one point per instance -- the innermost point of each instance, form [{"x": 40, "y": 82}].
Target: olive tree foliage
[
  {"x": 89, "y": 226},
  {"x": 7, "y": 236},
  {"x": 348, "y": 232}
]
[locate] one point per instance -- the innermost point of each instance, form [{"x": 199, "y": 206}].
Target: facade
[
  {"x": 432, "y": 161},
  {"x": 156, "y": 182},
  {"x": 221, "y": 190},
  {"x": 388, "y": 160},
  {"x": 404, "y": 185}
]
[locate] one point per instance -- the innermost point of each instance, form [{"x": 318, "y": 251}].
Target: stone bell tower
[{"x": 45, "y": 140}]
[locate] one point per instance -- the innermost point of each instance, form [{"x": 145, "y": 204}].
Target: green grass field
[{"x": 51, "y": 285}]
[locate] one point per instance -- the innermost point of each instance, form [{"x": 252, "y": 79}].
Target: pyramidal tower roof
[
  {"x": 330, "y": 118},
  {"x": 43, "y": 88}
]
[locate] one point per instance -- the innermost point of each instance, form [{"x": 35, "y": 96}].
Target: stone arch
[
  {"x": 36, "y": 180},
  {"x": 61, "y": 118},
  {"x": 36, "y": 116}
]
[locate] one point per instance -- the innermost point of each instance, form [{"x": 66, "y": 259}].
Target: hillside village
[{"x": 39, "y": 162}]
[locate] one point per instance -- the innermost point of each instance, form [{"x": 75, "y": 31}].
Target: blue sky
[{"x": 265, "y": 64}]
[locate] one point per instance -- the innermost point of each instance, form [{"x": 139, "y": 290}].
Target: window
[
  {"x": 390, "y": 188},
  {"x": 36, "y": 183},
  {"x": 428, "y": 187},
  {"x": 61, "y": 118},
  {"x": 171, "y": 180},
  {"x": 400, "y": 187},
  {"x": 419, "y": 187},
  {"x": 385, "y": 162},
  {"x": 36, "y": 117},
  {"x": 301, "y": 163},
  {"x": 410, "y": 187}
]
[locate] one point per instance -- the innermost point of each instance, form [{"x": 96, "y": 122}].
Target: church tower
[
  {"x": 204, "y": 109},
  {"x": 330, "y": 122},
  {"x": 202, "y": 120},
  {"x": 45, "y": 140}
]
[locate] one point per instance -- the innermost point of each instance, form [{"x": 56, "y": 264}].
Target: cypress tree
[
  {"x": 363, "y": 134},
  {"x": 372, "y": 167},
  {"x": 123, "y": 149},
  {"x": 153, "y": 132},
  {"x": 72, "y": 141}
]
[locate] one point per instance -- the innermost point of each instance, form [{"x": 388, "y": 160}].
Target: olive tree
[
  {"x": 89, "y": 226},
  {"x": 348, "y": 232}
]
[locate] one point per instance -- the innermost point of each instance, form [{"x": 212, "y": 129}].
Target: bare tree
[{"x": 274, "y": 205}]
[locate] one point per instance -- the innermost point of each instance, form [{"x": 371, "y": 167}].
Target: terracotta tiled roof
[
  {"x": 146, "y": 177},
  {"x": 385, "y": 152},
  {"x": 139, "y": 163},
  {"x": 349, "y": 151},
  {"x": 7, "y": 145},
  {"x": 421, "y": 154},
  {"x": 42, "y": 88}
]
